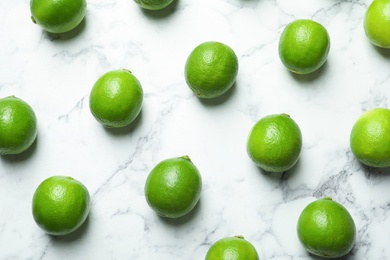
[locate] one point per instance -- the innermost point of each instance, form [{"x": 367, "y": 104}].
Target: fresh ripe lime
[
  {"x": 370, "y": 138},
  {"x": 326, "y": 229},
  {"x": 275, "y": 143},
  {"x": 304, "y": 46},
  {"x": 116, "y": 98},
  {"x": 211, "y": 69},
  {"x": 153, "y": 4},
  {"x": 173, "y": 187},
  {"x": 18, "y": 126},
  {"x": 377, "y": 23},
  {"x": 58, "y": 16},
  {"x": 232, "y": 248},
  {"x": 60, "y": 205}
]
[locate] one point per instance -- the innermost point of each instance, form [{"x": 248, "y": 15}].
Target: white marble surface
[{"x": 55, "y": 74}]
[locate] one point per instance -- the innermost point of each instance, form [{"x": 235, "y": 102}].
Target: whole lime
[
  {"x": 304, "y": 46},
  {"x": 377, "y": 23},
  {"x": 274, "y": 143},
  {"x": 153, "y": 4},
  {"x": 370, "y": 138},
  {"x": 211, "y": 69},
  {"x": 326, "y": 229},
  {"x": 232, "y": 248},
  {"x": 60, "y": 205},
  {"x": 173, "y": 187},
  {"x": 58, "y": 16},
  {"x": 116, "y": 98},
  {"x": 18, "y": 125}
]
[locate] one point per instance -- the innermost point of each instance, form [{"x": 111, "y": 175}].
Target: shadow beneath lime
[
  {"x": 74, "y": 236},
  {"x": 349, "y": 256},
  {"x": 15, "y": 158},
  {"x": 382, "y": 51},
  {"x": 302, "y": 78},
  {"x": 126, "y": 129},
  {"x": 159, "y": 14},
  {"x": 277, "y": 177},
  {"x": 372, "y": 172},
  {"x": 185, "y": 219},
  {"x": 219, "y": 100},
  {"x": 68, "y": 35}
]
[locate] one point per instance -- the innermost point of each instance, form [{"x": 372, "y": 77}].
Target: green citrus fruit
[
  {"x": 58, "y": 16},
  {"x": 60, "y": 205},
  {"x": 232, "y": 248},
  {"x": 326, "y": 229},
  {"x": 275, "y": 143},
  {"x": 18, "y": 126},
  {"x": 211, "y": 69},
  {"x": 370, "y": 138},
  {"x": 304, "y": 46},
  {"x": 153, "y": 4},
  {"x": 377, "y": 23},
  {"x": 173, "y": 187},
  {"x": 116, "y": 98}
]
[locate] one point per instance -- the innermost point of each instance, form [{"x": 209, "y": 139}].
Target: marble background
[{"x": 55, "y": 73}]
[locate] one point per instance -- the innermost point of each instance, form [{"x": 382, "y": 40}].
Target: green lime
[
  {"x": 370, "y": 138},
  {"x": 18, "y": 126},
  {"x": 173, "y": 187},
  {"x": 58, "y": 16},
  {"x": 326, "y": 229},
  {"x": 60, "y": 205},
  {"x": 211, "y": 69},
  {"x": 304, "y": 46},
  {"x": 275, "y": 143},
  {"x": 153, "y": 4},
  {"x": 116, "y": 98},
  {"x": 377, "y": 23},
  {"x": 232, "y": 248}
]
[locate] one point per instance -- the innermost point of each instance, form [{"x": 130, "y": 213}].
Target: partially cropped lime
[
  {"x": 116, "y": 98},
  {"x": 326, "y": 229},
  {"x": 18, "y": 125},
  {"x": 153, "y": 4},
  {"x": 304, "y": 46},
  {"x": 211, "y": 69},
  {"x": 58, "y": 16},
  {"x": 232, "y": 248},
  {"x": 377, "y": 23},
  {"x": 274, "y": 143},
  {"x": 173, "y": 187},
  {"x": 370, "y": 138},
  {"x": 60, "y": 205}
]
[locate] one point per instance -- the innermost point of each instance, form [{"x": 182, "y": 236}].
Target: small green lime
[
  {"x": 232, "y": 248},
  {"x": 377, "y": 23},
  {"x": 60, "y": 205},
  {"x": 211, "y": 69},
  {"x": 304, "y": 46},
  {"x": 153, "y": 4},
  {"x": 173, "y": 187},
  {"x": 325, "y": 228},
  {"x": 58, "y": 16},
  {"x": 370, "y": 138},
  {"x": 116, "y": 98},
  {"x": 18, "y": 126},
  {"x": 275, "y": 143}
]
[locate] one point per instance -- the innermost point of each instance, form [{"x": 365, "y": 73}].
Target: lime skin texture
[
  {"x": 274, "y": 143},
  {"x": 325, "y": 228},
  {"x": 58, "y": 16},
  {"x": 173, "y": 187},
  {"x": 18, "y": 126},
  {"x": 232, "y": 248},
  {"x": 60, "y": 205}
]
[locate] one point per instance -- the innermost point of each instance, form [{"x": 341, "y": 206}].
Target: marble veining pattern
[{"x": 55, "y": 73}]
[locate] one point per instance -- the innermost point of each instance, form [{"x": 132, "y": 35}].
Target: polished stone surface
[{"x": 55, "y": 73}]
